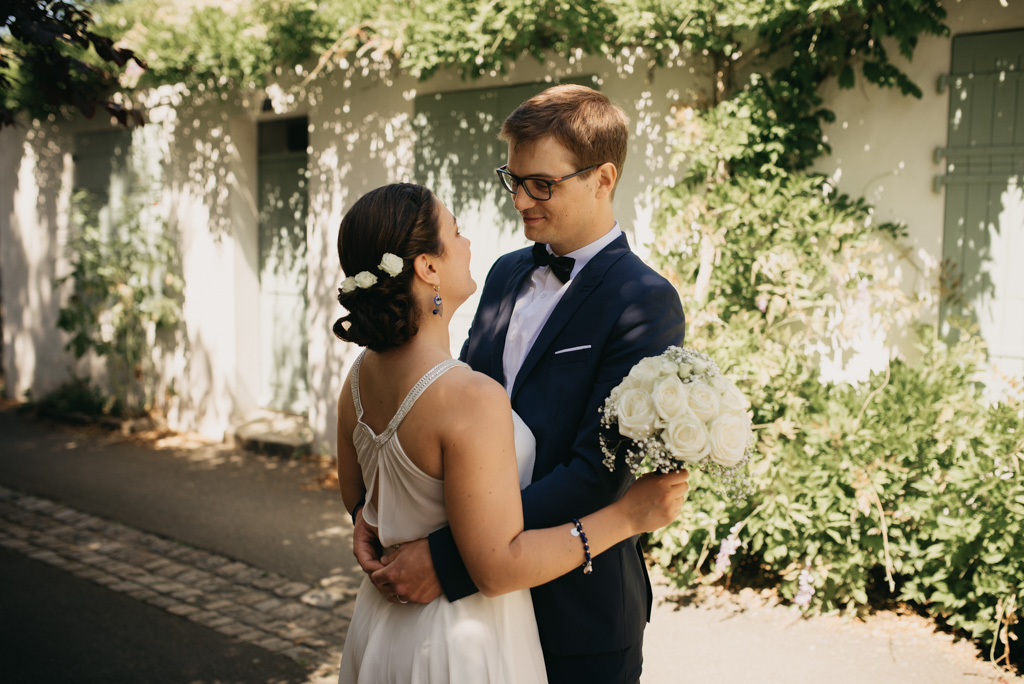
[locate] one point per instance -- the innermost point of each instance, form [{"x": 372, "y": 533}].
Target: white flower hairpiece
[{"x": 391, "y": 264}]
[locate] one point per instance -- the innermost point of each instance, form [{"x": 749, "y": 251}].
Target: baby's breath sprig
[{"x": 698, "y": 395}]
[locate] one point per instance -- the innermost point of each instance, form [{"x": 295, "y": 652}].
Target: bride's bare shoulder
[{"x": 467, "y": 388}]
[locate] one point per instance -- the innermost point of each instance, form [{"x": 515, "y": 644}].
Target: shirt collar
[{"x": 584, "y": 254}]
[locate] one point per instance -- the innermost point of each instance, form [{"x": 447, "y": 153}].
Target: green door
[
  {"x": 283, "y": 201},
  {"x": 983, "y": 240}
]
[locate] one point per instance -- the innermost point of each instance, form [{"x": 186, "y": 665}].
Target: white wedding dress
[{"x": 471, "y": 641}]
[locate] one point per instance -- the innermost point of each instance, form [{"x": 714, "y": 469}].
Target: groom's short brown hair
[{"x": 583, "y": 120}]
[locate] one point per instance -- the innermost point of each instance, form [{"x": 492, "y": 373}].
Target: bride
[{"x": 427, "y": 442}]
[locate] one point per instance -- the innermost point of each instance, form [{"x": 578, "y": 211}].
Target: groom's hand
[
  {"x": 365, "y": 545},
  {"x": 408, "y": 572}
]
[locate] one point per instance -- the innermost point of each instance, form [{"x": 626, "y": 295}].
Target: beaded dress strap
[
  {"x": 355, "y": 385},
  {"x": 410, "y": 399}
]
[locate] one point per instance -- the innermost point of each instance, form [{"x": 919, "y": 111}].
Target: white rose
[
  {"x": 348, "y": 284},
  {"x": 686, "y": 438},
  {"x": 391, "y": 264},
  {"x": 635, "y": 410},
  {"x": 646, "y": 372},
  {"x": 703, "y": 401},
  {"x": 670, "y": 396},
  {"x": 684, "y": 370},
  {"x": 730, "y": 396},
  {"x": 730, "y": 435},
  {"x": 365, "y": 279}
]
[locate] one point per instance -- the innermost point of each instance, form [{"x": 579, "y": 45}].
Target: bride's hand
[
  {"x": 365, "y": 545},
  {"x": 656, "y": 499}
]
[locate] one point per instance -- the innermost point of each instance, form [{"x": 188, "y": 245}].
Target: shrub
[{"x": 877, "y": 474}]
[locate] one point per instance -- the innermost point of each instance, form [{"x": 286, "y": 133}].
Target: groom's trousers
[{"x": 616, "y": 667}]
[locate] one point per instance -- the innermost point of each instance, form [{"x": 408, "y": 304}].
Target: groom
[{"x": 560, "y": 325}]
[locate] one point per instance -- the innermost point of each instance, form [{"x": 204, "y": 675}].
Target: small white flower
[
  {"x": 365, "y": 279},
  {"x": 729, "y": 546},
  {"x": 805, "y": 590},
  {"x": 348, "y": 284},
  {"x": 391, "y": 264}
]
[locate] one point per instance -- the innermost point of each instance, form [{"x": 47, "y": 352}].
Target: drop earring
[{"x": 438, "y": 308}]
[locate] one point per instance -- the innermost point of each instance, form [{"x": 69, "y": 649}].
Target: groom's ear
[
  {"x": 424, "y": 269},
  {"x": 607, "y": 174}
]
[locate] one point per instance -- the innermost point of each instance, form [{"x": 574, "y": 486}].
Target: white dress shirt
[{"x": 535, "y": 303}]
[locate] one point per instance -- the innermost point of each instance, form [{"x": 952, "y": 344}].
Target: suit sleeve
[{"x": 651, "y": 321}]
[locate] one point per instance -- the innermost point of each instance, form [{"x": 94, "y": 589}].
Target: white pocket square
[{"x": 572, "y": 349}]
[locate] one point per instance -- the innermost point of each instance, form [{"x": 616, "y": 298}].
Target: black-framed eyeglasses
[{"x": 537, "y": 188}]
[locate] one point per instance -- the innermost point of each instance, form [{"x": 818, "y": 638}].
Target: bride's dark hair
[{"x": 401, "y": 219}]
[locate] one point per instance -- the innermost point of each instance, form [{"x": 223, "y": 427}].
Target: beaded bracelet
[{"x": 588, "y": 566}]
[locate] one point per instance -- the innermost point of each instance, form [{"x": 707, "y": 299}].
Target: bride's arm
[
  {"x": 485, "y": 508},
  {"x": 350, "y": 476},
  {"x": 365, "y": 545}
]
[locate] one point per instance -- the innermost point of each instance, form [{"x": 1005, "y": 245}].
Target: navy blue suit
[{"x": 616, "y": 311}]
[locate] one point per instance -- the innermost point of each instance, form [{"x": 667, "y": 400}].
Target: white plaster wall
[
  {"x": 360, "y": 138},
  {"x": 209, "y": 187},
  {"x": 243, "y": 153},
  {"x": 35, "y": 170},
  {"x": 883, "y": 142}
]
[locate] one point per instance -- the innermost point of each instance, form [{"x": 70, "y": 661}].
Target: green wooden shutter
[{"x": 983, "y": 239}]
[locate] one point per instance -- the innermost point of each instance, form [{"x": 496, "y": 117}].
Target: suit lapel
[
  {"x": 508, "y": 302},
  {"x": 581, "y": 288}
]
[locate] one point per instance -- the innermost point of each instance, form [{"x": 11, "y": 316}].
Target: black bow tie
[{"x": 561, "y": 266}]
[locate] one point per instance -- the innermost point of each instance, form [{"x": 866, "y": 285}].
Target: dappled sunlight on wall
[
  {"x": 871, "y": 319},
  {"x": 35, "y": 198},
  {"x": 199, "y": 185},
  {"x": 884, "y": 143},
  {"x": 360, "y": 139},
  {"x": 1002, "y": 319}
]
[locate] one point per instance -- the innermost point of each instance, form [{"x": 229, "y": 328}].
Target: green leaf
[{"x": 846, "y": 78}]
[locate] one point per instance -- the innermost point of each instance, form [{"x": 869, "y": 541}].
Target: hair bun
[{"x": 399, "y": 221}]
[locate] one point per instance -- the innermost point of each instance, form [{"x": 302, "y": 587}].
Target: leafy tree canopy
[
  {"x": 50, "y": 57},
  {"x": 246, "y": 42}
]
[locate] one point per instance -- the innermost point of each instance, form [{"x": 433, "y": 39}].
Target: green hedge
[
  {"x": 906, "y": 485},
  {"x": 909, "y": 485}
]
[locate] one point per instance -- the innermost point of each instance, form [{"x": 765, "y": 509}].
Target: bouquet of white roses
[{"x": 678, "y": 411}]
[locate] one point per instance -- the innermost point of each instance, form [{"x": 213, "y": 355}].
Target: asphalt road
[
  {"x": 260, "y": 511},
  {"x": 55, "y": 627}
]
